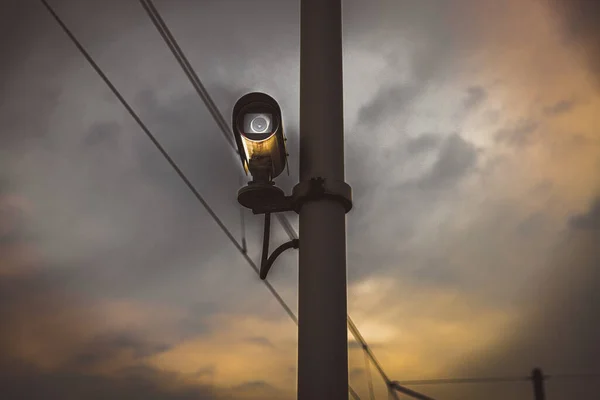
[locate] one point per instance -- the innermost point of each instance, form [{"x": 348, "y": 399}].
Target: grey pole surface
[{"x": 322, "y": 304}]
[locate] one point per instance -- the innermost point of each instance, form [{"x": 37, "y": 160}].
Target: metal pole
[
  {"x": 537, "y": 378},
  {"x": 322, "y": 307}
]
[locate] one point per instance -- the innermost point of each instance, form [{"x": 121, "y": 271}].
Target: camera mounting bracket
[
  {"x": 319, "y": 188},
  {"x": 264, "y": 198}
]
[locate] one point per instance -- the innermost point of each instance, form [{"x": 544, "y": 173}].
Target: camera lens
[{"x": 259, "y": 124}]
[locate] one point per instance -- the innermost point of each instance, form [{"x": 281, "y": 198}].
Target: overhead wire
[
  {"x": 193, "y": 77},
  {"x": 173, "y": 164},
  {"x": 189, "y": 71},
  {"x": 183, "y": 61},
  {"x": 242, "y": 249},
  {"x": 365, "y": 346},
  {"x": 243, "y": 226},
  {"x": 369, "y": 377},
  {"x": 353, "y": 393},
  {"x": 501, "y": 379},
  {"x": 573, "y": 376},
  {"x": 463, "y": 380},
  {"x": 169, "y": 39},
  {"x": 166, "y": 155}
]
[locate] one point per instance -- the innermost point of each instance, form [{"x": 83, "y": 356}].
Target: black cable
[
  {"x": 243, "y": 228},
  {"x": 502, "y": 379},
  {"x": 171, "y": 42},
  {"x": 266, "y": 265},
  {"x": 167, "y": 157},
  {"x": 464, "y": 380},
  {"x": 174, "y": 165},
  {"x": 368, "y": 372},
  {"x": 287, "y": 226},
  {"x": 361, "y": 340},
  {"x": 354, "y": 395},
  {"x": 164, "y": 31},
  {"x": 573, "y": 376},
  {"x": 179, "y": 55},
  {"x": 243, "y": 225},
  {"x": 409, "y": 392},
  {"x": 266, "y": 238}
]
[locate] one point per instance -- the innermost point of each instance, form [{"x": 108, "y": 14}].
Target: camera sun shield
[{"x": 258, "y": 130}]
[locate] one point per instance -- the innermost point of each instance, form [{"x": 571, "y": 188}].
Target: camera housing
[{"x": 258, "y": 130}]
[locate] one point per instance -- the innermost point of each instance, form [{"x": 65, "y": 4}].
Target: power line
[
  {"x": 365, "y": 346},
  {"x": 189, "y": 71},
  {"x": 409, "y": 392},
  {"x": 574, "y": 376},
  {"x": 168, "y": 38},
  {"x": 179, "y": 55},
  {"x": 174, "y": 165},
  {"x": 353, "y": 393},
  {"x": 496, "y": 379},
  {"x": 463, "y": 380},
  {"x": 243, "y": 226},
  {"x": 164, "y": 31},
  {"x": 369, "y": 378}
]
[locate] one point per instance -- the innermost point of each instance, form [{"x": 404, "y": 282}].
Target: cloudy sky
[{"x": 472, "y": 145}]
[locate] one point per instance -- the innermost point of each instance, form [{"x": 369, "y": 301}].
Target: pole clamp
[{"x": 320, "y": 188}]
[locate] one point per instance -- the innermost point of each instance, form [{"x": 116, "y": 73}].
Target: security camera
[{"x": 258, "y": 129}]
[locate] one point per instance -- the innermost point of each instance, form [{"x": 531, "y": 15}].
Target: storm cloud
[{"x": 471, "y": 243}]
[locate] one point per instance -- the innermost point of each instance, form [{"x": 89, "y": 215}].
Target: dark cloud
[
  {"x": 589, "y": 220},
  {"x": 519, "y": 135},
  {"x": 105, "y": 347},
  {"x": 12, "y": 220},
  {"x": 423, "y": 143},
  {"x": 435, "y": 47},
  {"x": 259, "y": 388},
  {"x": 356, "y": 373},
  {"x": 580, "y": 23},
  {"x": 103, "y": 132},
  {"x": 561, "y": 327},
  {"x": 408, "y": 201},
  {"x": 261, "y": 341},
  {"x": 33, "y": 309},
  {"x": 456, "y": 158},
  {"x": 531, "y": 225},
  {"x": 39, "y": 311},
  {"x": 475, "y": 96},
  {"x": 387, "y": 102},
  {"x": 560, "y": 107},
  {"x": 21, "y": 381}
]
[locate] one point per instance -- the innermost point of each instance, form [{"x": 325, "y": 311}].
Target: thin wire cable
[
  {"x": 183, "y": 61},
  {"x": 365, "y": 346},
  {"x": 502, "y": 379},
  {"x": 169, "y": 39},
  {"x": 464, "y": 380},
  {"x": 243, "y": 225},
  {"x": 174, "y": 165},
  {"x": 354, "y": 395},
  {"x": 179, "y": 55},
  {"x": 369, "y": 377},
  {"x": 409, "y": 392},
  {"x": 287, "y": 226},
  {"x": 164, "y": 31},
  {"x": 179, "y": 172},
  {"x": 573, "y": 376}
]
